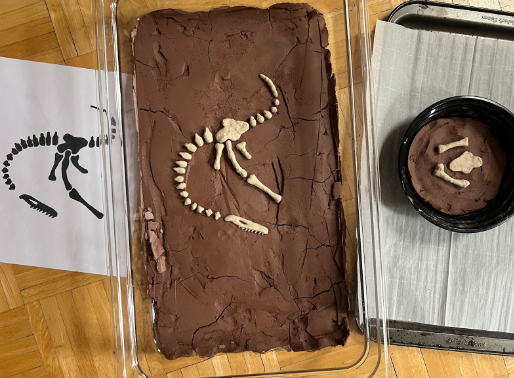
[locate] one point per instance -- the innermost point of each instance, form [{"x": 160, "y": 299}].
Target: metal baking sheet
[{"x": 486, "y": 23}]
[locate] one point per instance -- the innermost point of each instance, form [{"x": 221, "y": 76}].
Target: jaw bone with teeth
[{"x": 231, "y": 131}]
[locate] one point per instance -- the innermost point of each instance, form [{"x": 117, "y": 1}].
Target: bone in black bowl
[{"x": 456, "y": 164}]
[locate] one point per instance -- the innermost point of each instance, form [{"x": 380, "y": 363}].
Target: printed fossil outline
[
  {"x": 231, "y": 131},
  {"x": 67, "y": 151}
]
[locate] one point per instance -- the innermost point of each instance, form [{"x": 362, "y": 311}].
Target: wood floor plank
[
  {"x": 103, "y": 311},
  {"x": 10, "y": 286},
  {"x": 44, "y": 340},
  {"x": 57, "y": 286},
  {"x": 23, "y": 16},
  {"x": 12, "y": 5},
  {"x": 18, "y": 269},
  {"x": 62, "y": 29},
  {"x": 416, "y": 363},
  {"x": 509, "y": 363},
  {"x": 237, "y": 363},
  {"x": 38, "y": 276},
  {"x": 207, "y": 369},
  {"x": 15, "y": 331},
  {"x": 466, "y": 365},
  {"x": 434, "y": 364},
  {"x": 15, "y": 315},
  {"x": 87, "y": 10},
  {"x": 270, "y": 361},
  {"x": 17, "y": 348},
  {"x": 53, "y": 56},
  {"x": 62, "y": 346},
  {"x": 77, "y": 26},
  {"x": 253, "y": 363},
  {"x": 400, "y": 362},
  {"x": 20, "y": 364},
  {"x": 4, "y": 306},
  {"x": 221, "y": 365},
  {"x": 39, "y": 372},
  {"x": 30, "y": 46},
  {"x": 88, "y": 60}
]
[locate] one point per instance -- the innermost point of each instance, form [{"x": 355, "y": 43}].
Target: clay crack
[
  {"x": 145, "y": 64},
  {"x": 324, "y": 291},
  {"x": 167, "y": 115},
  {"x": 287, "y": 54},
  {"x": 210, "y": 324},
  {"x": 311, "y": 179},
  {"x": 298, "y": 225},
  {"x": 228, "y": 276}
]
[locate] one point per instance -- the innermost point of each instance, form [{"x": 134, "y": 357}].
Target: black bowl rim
[{"x": 405, "y": 177}]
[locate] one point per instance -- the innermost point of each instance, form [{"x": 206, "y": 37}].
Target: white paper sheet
[
  {"x": 435, "y": 276},
  {"x": 38, "y": 98}
]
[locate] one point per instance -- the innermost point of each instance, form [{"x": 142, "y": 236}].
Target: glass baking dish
[{"x": 136, "y": 351}]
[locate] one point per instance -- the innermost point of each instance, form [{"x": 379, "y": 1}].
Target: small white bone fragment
[
  {"x": 184, "y": 194},
  {"x": 155, "y": 244},
  {"x": 208, "y": 212},
  {"x": 445, "y": 147},
  {"x": 179, "y": 179},
  {"x": 260, "y": 118},
  {"x": 253, "y": 122},
  {"x": 232, "y": 130},
  {"x": 180, "y": 170},
  {"x": 246, "y": 225},
  {"x": 267, "y": 114},
  {"x": 217, "y": 215},
  {"x": 252, "y": 179},
  {"x": 219, "y": 150},
  {"x": 187, "y": 202},
  {"x": 233, "y": 160},
  {"x": 270, "y": 84},
  {"x": 161, "y": 264},
  {"x": 185, "y": 155},
  {"x": 207, "y": 135},
  {"x": 439, "y": 172},
  {"x": 242, "y": 147},
  {"x": 276, "y": 102},
  {"x": 198, "y": 140},
  {"x": 199, "y": 209},
  {"x": 273, "y": 109},
  {"x": 182, "y": 163},
  {"x": 465, "y": 163},
  {"x": 181, "y": 186},
  {"x": 190, "y": 146},
  {"x": 148, "y": 215},
  {"x": 194, "y": 206}
]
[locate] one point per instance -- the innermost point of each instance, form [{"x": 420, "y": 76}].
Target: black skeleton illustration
[{"x": 67, "y": 151}]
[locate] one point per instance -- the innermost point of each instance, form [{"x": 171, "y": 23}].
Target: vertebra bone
[
  {"x": 273, "y": 109},
  {"x": 246, "y": 225},
  {"x": 219, "y": 150},
  {"x": 465, "y": 163},
  {"x": 252, "y": 179},
  {"x": 187, "y": 202},
  {"x": 199, "y": 209},
  {"x": 253, "y": 122},
  {"x": 267, "y": 114},
  {"x": 208, "y": 212},
  {"x": 260, "y": 118},
  {"x": 233, "y": 160},
  {"x": 242, "y": 147},
  {"x": 181, "y": 186},
  {"x": 439, "y": 172},
  {"x": 194, "y": 206},
  {"x": 185, "y": 155},
  {"x": 207, "y": 135},
  {"x": 190, "y": 146},
  {"x": 217, "y": 215},
  {"x": 198, "y": 140},
  {"x": 445, "y": 147},
  {"x": 184, "y": 194},
  {"x": 276, "y": 102}
]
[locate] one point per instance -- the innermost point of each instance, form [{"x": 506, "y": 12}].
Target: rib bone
[
  {"x": 252, "y": 179},
  {"x": 445, "y": 147},
  {"x": 198, "y": 140},
  {"x": 246, "y": 225},
  {"x": 439, "y": 172},
  {"x": 219, "y": 150},
  {"x": 233, "y": 160},
  {"x": 190, "y": 146},
  {"x": 242, "y": 147},
  {"x": 185, "y": 155},
  {"x": 207, "y": 135}
]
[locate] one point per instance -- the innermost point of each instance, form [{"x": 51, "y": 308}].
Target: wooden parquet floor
[{"x": 59, "y": 324}]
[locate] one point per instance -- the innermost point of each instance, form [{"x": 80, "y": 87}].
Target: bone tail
[
  {"x": 253, "y": 180},
  {"x": 271, "y": 85},
  {"x": 38, "y": 205},
  {"x": 247, "y": 225}
]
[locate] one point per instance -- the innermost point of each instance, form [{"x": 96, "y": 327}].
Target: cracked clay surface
[{"x": 226, "y": 290}]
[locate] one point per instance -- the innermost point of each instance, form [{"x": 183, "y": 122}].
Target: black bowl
[{"x": 501, "y": 124}]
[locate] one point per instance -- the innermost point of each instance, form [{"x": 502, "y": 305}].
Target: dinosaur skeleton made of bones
[
  {"x": 67, "y": 152},
  {"x": 231, "y": 131}
]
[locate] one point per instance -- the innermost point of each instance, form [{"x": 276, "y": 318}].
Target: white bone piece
[
  {"x": 252, "y": 179},
  {"x": 273, "y": 109},
  {"x": 439, "y": 172},
  {"x": 181, "y": 186},
  {"x": 180, "y": 170},
  {"x": 198, "y": 140},
  {"x": 185, "y": 155},
  {"x": 465, "y": 163},
  {"x": 182, "y": 163},
  {"x": 179, "y": 179},
  {"x": 242, "y": 147},
  {"x": 194, "y": 206},
  {"x": 207, "y": 135},
  {"x": 260, "y": 118},
  {"x": 199, "y": 209},
  {"x": 184, "y": 194},
  {"x": 233, "y": 160},
  {"x": 190, "y": 146},
  {"x": 270, "y": 84},
  {"x": 445, "y": 147},
  {"x": 219, "y": 150},
  {"x": 276, "y": 102},
  {"x": 246, "y": 225},
  {"x": 217, "y": 215},
  {"x": 253, "y": 122},
  {"x": 267, "y": 114},
  {"x": 187, "y": 202},
  {"x": 232, "y": 130},
  {"x": 208, "y": 212},
  {"x": 161, "y": 264}
]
